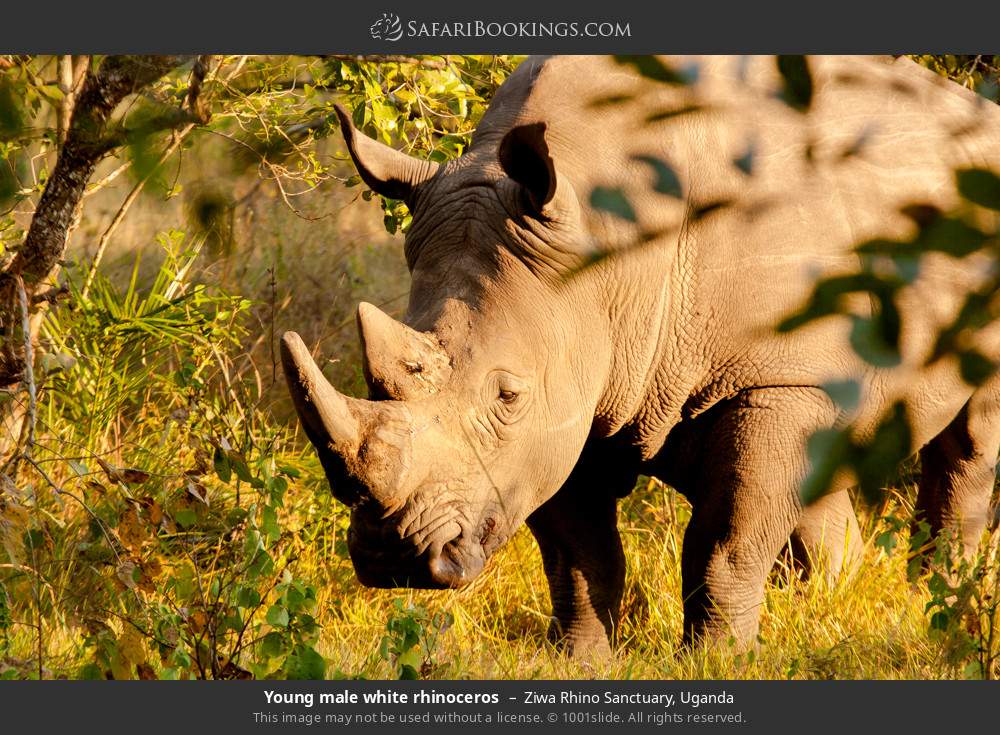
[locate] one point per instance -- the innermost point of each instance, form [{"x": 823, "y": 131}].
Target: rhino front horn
[
  {"x": 326, "y": 415},
  {"x": 399, "y": 362}
]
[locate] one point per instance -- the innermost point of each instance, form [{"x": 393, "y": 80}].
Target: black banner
[
  {"x": 498, "y": 706},
  {"x": 392, "y": 28},
  {"x": 509, "y": 27}
]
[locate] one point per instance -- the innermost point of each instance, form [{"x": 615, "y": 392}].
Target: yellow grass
[
  {"x": 870, "y": 625},
  {"x": 867, "y": 626}
]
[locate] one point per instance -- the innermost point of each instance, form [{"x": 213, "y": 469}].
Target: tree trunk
[{"x": 88, "y": 138}]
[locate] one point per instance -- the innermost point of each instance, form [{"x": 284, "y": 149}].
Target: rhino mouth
[{"x": 445, "y": 554}]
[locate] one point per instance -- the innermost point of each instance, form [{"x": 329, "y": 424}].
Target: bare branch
[
  {"x": 118, "y": 77},
  {"x": 65, "y": 110},
  {"x": 29, "y": 369},
  {"x": 123, "y": 209},
  {"x": 194, "y": 102},
  {"x": 9, "y": 62}
]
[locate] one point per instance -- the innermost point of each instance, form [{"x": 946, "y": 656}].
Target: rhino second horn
[
  {"x": 399, "y": 362},
  {"x": 326, "y": 415}
]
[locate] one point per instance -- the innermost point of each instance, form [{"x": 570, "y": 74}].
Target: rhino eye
[
  {"x": 508, "y": 393},
  {"x": 507, "y": 396}
]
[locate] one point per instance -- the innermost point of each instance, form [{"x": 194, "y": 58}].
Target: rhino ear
[
  {"x": 524, "y": 156},
  {"x": 385, "y": 170}
]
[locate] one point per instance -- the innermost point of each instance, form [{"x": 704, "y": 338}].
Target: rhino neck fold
[{"x": 649, "y": 326}]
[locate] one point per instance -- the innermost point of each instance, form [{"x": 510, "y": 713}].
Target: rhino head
[{"x": 481, "y": 402}]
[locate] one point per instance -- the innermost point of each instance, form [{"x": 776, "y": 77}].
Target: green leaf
[
  {"x": 90, "y": 672},
  {"x": 306, "y": 626},
  {"x": 886, "y": 541},
  {"x": 143, "y": 149},
  {"x": 879, "y": 457},
  {"x": 13, "y": 115},
  {"x": 294, "y": 598},
  {"x": 745, "y": 162},
  {"x": 667, "y": 182},
  {"x": 975, "y": 366},
  {"x": 247, "y": 597},
  {"x": 828, "y": 294},
  {"x": 940, "y": 620},
  {"x": 235, "y": 516},
  {"x": 973, "y": 670},
  {"x": 980, "y": 186},
  {"x": 273, "y": 644},
  {"x": 278, "y": 486},
  {"x": 845, "y": 393},
  {"x": 950, "y": 235},
  {"x": 408, "y": 673},
  {"x": 937, "y": 585},
  {"x": 655, "y": 69},
  {"x": 51, "y": 91},
  {"x": 974, "y": 314},
  {"x": 185, "y": 517},
  {"x": 613, "y": 201},
  {"x": 277, "y": 616},
  {"x": 269, "y": 523},
  {"x": 871, "y": 339},
  {"x": 181, "y": 659},
  {"x": 288, "y": 470},
  {"x": 239, "y": 466},
  {"x": 231, "y": 622},
  {"x": 262, "y": 564},
  {"x": 409, "y": 664},
  {"x": 305, "y": 663},
  {"x": 797, "y": 91},
  {"x": 221, "y": 462},
  {"x": 828, "y": 450}
]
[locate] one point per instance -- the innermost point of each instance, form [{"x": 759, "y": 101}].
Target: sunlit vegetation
[{"x": 161, "y": 515}]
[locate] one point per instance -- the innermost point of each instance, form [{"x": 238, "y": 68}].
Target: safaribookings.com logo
[
  {"x": 387, "y": 28},
  {"x": 390, "y": 28}
]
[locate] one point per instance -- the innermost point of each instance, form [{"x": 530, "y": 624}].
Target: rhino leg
[
  {"x": 577, "y": 533},
  {"x": 745, "y": 507},
  {"x": 827, "y": 537},
  {"x": 958, "y": 472}
]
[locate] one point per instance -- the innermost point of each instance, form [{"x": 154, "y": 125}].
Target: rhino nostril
[
  {"x": 451, "y": 567},
  {"x": 488, "y": 527},
  {"x": 446, "y": 571}
]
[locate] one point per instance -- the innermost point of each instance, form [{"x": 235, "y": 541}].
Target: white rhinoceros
[{"x": 532, "y": 382}]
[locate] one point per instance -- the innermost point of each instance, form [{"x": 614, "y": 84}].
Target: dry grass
[{"x": 868, "y": 626}]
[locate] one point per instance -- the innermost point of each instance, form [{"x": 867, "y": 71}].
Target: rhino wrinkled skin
[{"x": 532, "y": 383}]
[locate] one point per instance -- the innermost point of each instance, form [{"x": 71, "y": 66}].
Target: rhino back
[
  {"x": 694, "y": 308},
  {"x": 881, "y": 134}
]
